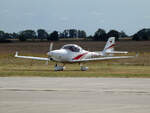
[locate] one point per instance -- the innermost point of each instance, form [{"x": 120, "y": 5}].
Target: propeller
[
  {"x": 51, "y": 46},
  {"x": 50, "y": 49}
]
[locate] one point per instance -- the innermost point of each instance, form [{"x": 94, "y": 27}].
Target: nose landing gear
[{"x": 59, "y": 68}]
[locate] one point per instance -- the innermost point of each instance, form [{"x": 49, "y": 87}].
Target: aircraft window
[{"x": 72, "y": 48}]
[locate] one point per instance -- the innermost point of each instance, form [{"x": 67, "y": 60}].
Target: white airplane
[{"x": 72, "y": 53}]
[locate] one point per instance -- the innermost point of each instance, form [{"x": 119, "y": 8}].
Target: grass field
[{"x": 138, "y": 67}]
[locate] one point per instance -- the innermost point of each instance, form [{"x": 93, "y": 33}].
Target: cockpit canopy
[{"x": 72, "y": 47}]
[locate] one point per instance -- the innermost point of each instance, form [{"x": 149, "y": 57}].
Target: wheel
[
  {"x": 84, "y": 68},
  {"x": 59, "y": 68}
]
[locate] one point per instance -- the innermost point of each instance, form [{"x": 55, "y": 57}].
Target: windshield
[{"x": 72, "y": 48}]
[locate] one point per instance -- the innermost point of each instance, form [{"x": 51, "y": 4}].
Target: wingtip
[
  {"x": 16, "y": 54},
  {"x": 126, "y": 52},
  {"x": 137, "y": 54}
]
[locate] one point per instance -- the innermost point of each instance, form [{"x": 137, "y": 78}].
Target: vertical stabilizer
[{"x": 109, "y": 47}]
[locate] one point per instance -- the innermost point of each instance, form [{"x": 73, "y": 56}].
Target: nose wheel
[{"x": 59, "y": 68}]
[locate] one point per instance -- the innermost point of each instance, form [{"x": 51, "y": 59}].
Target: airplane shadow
[{"x": 45, "y": 70}]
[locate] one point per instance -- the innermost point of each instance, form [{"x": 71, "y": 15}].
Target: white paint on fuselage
[{"x": 64, "y": 55}]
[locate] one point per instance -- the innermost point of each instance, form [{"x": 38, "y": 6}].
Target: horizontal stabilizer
[{"x": 117, "y": 52}]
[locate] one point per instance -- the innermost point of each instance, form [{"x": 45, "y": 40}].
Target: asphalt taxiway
[{"x": 74, "y": 95}]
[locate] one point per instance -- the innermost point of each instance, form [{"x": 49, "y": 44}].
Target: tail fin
[
  {"x": 109, "y": 47},
  {"x": 16, "y": 54}
]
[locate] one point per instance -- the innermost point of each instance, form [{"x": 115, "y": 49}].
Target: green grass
[
  {"x": 71, "y": 74},
  {"x": 138, "y": 67},
  {"x": 10, "y": 66}
]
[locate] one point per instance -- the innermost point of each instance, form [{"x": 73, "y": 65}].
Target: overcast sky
[{"x": 89, "y": 15}]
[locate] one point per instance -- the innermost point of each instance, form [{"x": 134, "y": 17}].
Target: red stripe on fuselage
[
  {"x": 79, "y": 56},
  {"x": 111, "y": 46}
]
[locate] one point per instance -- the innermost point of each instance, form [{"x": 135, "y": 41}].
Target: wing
[
  {"x": 30, "y": 57},
  {"x": 103, "y": 58}
]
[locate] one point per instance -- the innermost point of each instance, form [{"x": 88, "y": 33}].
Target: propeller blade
[
  {"x": 51, "y": 46},
  {"x": 50, "y": 49}
]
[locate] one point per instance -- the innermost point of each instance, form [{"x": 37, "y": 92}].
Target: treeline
[
  {"x": 143, "y": 34},
  {"x": 25, "y": 35},
  {"x": 99, "y": 35},
  {"x": 42, "y": 34}
]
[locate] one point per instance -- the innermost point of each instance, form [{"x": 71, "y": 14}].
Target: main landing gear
[
  {"x": 62, "y": 68},
  {"x": 83, "y": 68}
]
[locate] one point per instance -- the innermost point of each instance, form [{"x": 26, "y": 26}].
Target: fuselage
[{"x": 70, "y": 53}]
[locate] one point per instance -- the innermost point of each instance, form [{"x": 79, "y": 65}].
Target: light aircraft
[{"x": 72, "y": 53}]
